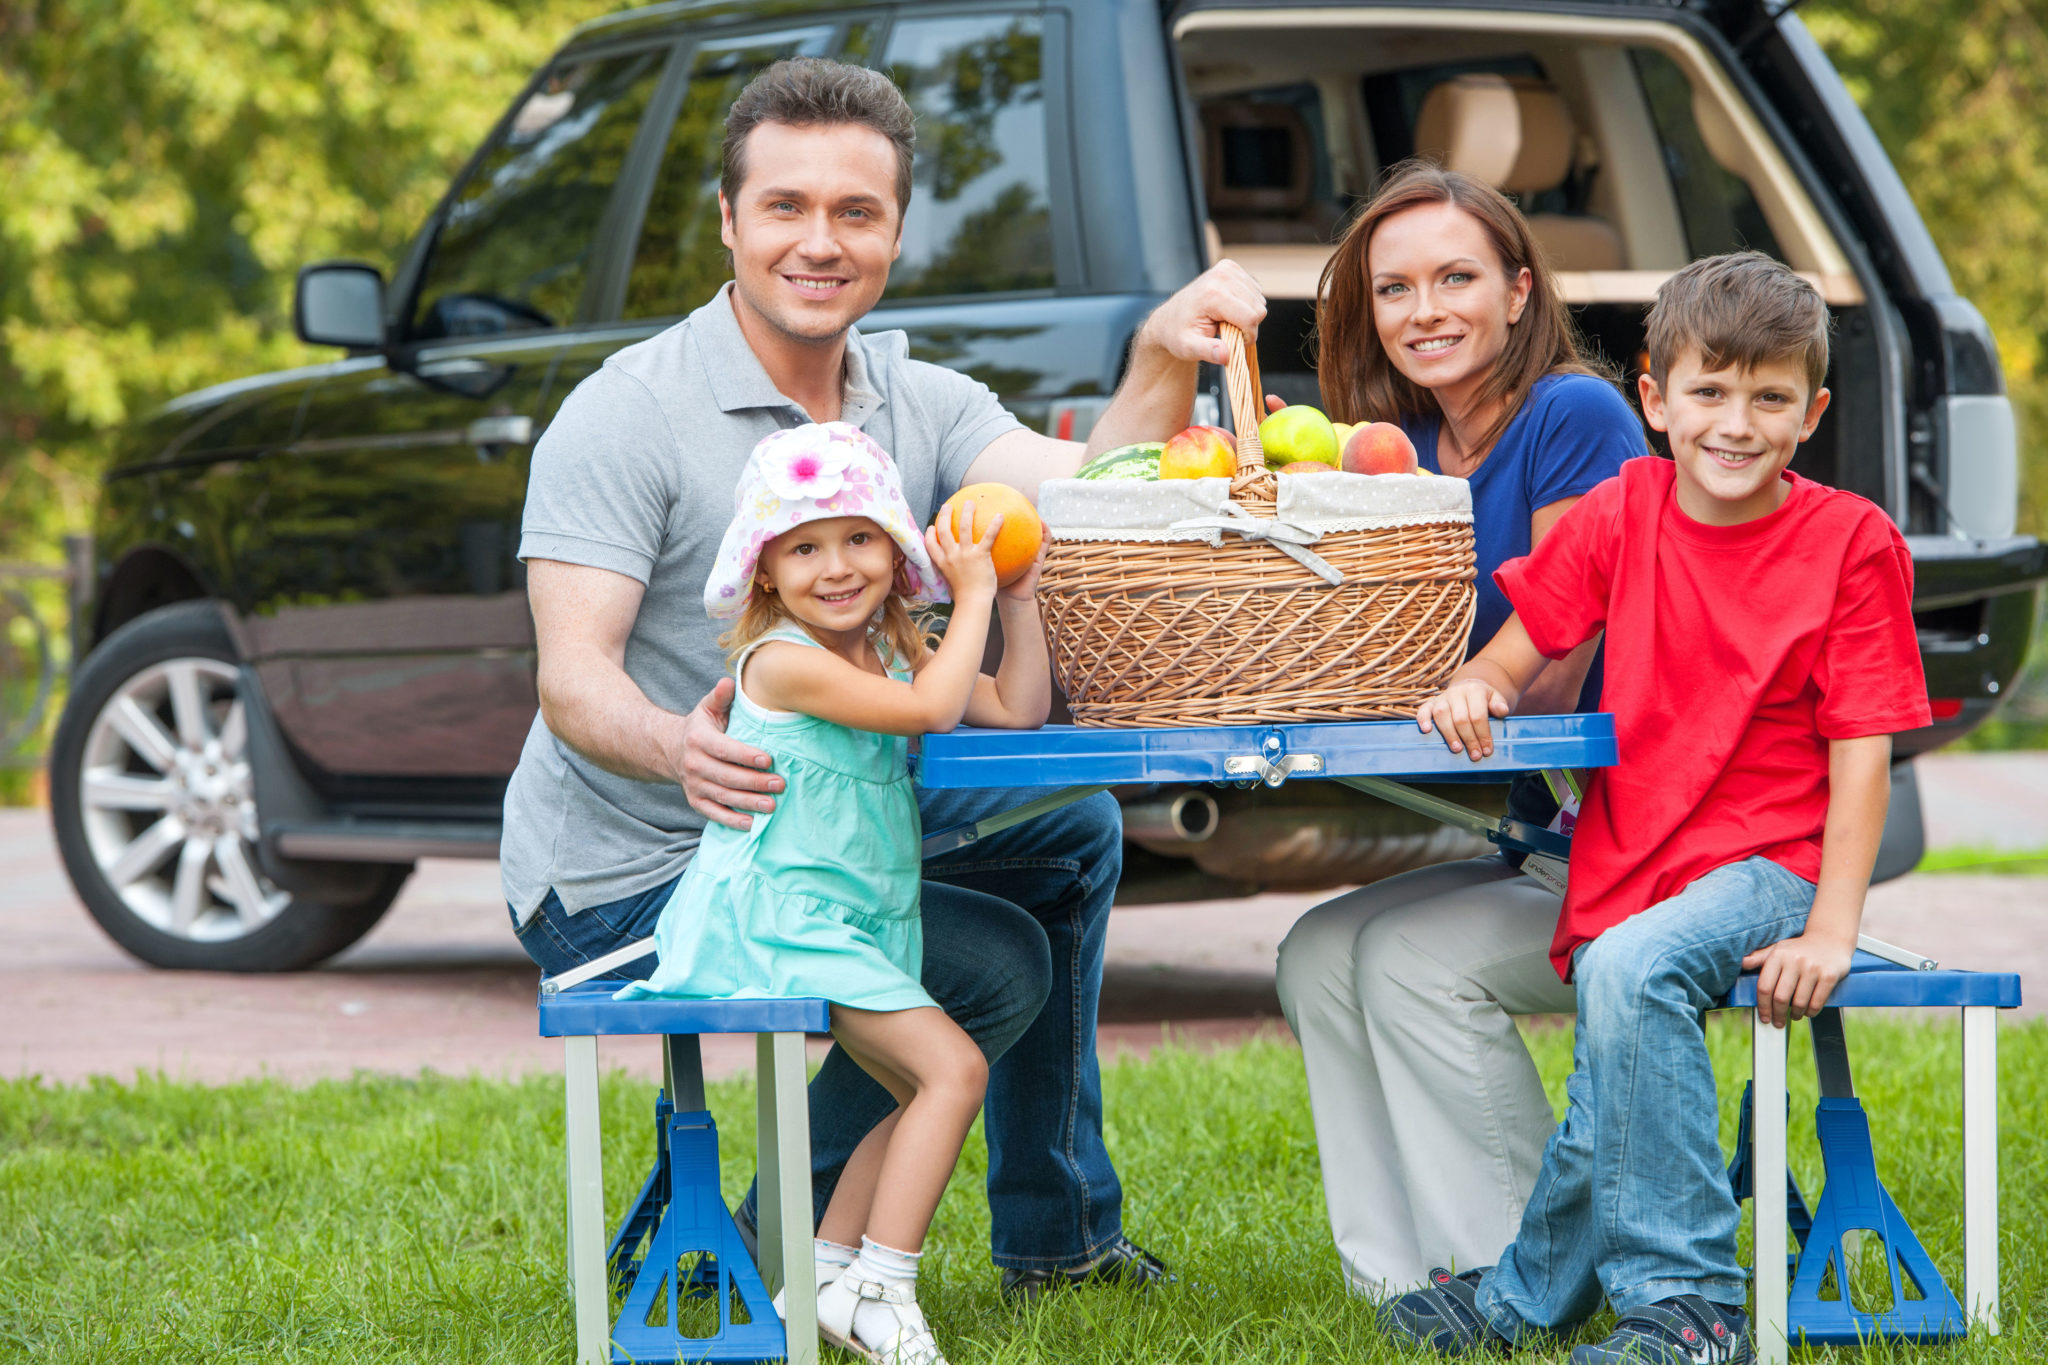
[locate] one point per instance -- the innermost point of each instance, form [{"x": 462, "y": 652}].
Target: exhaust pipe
[{"x": 1186, "y": 817}]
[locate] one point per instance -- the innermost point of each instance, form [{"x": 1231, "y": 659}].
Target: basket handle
[{"x": 1247, "y": 399}]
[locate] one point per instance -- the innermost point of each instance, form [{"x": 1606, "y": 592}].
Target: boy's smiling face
[{"x": 1732, "y": 431}]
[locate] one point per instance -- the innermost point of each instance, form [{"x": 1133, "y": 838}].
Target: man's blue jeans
[
  {"x": 1633, "y": 1202},
  {"x": 1014, "y": 930}
]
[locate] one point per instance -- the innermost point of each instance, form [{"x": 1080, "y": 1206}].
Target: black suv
[{"x": 308, "y": 661}]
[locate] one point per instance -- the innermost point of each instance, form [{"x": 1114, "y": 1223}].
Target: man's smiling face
[
  {"x": 813, "y": 227},
  {"x": 1733, "y": 431}
]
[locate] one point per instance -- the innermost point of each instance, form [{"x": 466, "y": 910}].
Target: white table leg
[
  {"x": 1980, "y": 1166},
  {"x": 588, "y": 1288},
  {"x": 784, "y": 1122},
  {"x": 1767, "y": 1164}
]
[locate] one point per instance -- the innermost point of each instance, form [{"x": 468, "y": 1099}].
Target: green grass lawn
[
  {"x": 2003, "y": 862},
  {"x": 384, "y": 1219}
]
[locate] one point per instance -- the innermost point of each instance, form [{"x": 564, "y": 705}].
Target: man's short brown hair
[
  {"x": 805, "y": 92},
  {"x": 1739, "y": 311}
]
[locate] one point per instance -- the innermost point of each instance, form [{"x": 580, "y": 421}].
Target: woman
[{"x": 1438, "y": 312}]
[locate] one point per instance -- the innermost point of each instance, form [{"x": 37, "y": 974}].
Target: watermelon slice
[{"x": 1140, "y": 461}]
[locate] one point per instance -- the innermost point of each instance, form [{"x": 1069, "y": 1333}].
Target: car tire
[{"x": 154, "y": 808}]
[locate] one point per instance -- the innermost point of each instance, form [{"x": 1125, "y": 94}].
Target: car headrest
[
  {"x": 1513, "y": 132},
  {"x": 1256, "y": 158}
]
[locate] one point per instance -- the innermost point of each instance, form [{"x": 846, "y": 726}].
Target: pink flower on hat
[{"x": 815, "y": 471}]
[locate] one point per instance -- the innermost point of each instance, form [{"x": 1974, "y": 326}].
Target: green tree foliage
[
  {"x": 1955, "y": 90},
  {"x": 170, "y": 164}
]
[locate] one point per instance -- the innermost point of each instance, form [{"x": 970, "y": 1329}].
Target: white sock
[
  {"x": 831, "y": 1258},
  {"x": 876, "y": 1323}
]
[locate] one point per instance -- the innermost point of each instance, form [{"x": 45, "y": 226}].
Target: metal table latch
[{"x": 1272, "y": 767}]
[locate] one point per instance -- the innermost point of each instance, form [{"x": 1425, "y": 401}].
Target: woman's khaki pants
[{"x": 1429, "y": 1114}]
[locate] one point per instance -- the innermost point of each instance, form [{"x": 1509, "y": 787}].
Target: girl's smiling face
[
  {"x": 832, "y": 575},
  {"x": 1442, "y": 302}
]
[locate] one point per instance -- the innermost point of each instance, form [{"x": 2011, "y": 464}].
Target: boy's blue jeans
[
  {"x": 1014, "y": 931},
  {"x": 1633, "y": 1201}
]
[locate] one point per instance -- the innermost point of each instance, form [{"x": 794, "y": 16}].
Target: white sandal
[
  {"x": 826, "y": 1274},
  {"x": 911, "y": 1343}
]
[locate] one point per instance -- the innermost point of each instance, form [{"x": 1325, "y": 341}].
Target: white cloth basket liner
[{"x": 1145, "y": 510}]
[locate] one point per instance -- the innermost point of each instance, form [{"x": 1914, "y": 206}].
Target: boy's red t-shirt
[{"x": 1734, "y": 654}]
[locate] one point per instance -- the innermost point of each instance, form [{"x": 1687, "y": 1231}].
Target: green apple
[{"x": 1299, "y": 432}]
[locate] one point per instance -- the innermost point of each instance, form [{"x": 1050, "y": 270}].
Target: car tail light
[{"x": 1945, "y": 708}]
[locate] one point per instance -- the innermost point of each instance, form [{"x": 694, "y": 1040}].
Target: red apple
[
  {"x": 1379, "y": 448},
  {"x": 1199, "y": 453}
]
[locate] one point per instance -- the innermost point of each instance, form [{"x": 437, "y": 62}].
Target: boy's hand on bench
[
  {"x": 1795, "y": 976},
  {"x": 1461, "y": 714}
]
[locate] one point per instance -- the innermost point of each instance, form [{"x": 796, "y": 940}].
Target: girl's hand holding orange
[
  {"x": 961, "y": 556},
  {"x": 1024, "y": 587},
  {"x": 1015, "y": 549}
]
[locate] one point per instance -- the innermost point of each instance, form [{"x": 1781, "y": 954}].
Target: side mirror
[{"x": 340, "y": 303}]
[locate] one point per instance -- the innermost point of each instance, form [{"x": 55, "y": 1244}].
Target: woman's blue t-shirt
[{"x": 1572, "y": 432}]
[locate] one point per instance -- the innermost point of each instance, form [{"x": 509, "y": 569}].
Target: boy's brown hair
[
  {"x": 805, "y": 92},
  {"x": 1739, "y": 311}
]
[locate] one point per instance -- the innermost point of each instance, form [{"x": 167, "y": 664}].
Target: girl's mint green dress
[{"x": 820, "y": 897}]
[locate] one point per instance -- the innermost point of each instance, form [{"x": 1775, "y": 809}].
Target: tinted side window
[
  {"x": 681, "y": 261},
  {"x": 1717, "y": 209},
  {"x": 514, "y": 248},
  {"x": 980, "y": 220}
]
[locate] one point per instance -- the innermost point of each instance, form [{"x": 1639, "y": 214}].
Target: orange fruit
[{"x": 1017, "y": 543}]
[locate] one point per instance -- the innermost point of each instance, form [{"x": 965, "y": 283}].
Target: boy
[{"x": 1760, "y": 654}]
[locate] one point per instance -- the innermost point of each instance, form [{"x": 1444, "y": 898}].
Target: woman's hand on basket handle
[
  {"x": 1488, "y": 686},
  {"x": 1158, "y": 391}
]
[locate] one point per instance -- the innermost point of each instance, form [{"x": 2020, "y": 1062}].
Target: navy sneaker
[
  {"x": 1686, "y": 1330},
  {"x": 1125, "y": 1263},
  {"x": 1443, "y": 1316}
]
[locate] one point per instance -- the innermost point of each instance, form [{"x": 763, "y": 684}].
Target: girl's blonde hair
[{"x": 908, "y": 640}]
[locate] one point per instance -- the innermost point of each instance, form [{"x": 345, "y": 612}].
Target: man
[{"x": 631, "y": 489}]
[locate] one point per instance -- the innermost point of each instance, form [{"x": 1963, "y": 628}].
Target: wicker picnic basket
[{"x": 1241, "y": 630}]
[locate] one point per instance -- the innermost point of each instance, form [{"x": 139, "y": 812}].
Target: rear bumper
[{"x": 1974, "y": 607}]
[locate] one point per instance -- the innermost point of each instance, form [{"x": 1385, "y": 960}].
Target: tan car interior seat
[
  {"x": 1244, "y": 142},
  {"x": 1516, "y": 134}
]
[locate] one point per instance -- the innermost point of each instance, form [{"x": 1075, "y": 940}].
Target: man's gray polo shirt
[{"x": 636, "y": 475}]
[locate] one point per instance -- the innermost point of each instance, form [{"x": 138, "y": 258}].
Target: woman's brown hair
[{"x": 1370, "y": 389}]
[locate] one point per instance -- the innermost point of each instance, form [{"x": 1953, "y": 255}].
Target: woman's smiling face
[{"x": 1442, "y": 302}]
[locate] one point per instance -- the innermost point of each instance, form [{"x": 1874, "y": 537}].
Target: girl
[{"x": 820, "y": 898}]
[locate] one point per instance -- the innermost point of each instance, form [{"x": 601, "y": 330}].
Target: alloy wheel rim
[{"x": 167, "y": 802}]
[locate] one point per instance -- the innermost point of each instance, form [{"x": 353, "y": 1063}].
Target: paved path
[{"x": 440, "y": 983}]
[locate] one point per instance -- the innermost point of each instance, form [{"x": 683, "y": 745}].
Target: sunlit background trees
[{"x": 167, "y": 165}]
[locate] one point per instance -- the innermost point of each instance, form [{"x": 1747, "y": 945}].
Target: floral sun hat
[{"x": 812, "y": 473}]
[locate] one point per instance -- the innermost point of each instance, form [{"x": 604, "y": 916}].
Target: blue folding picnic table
[
  {"x": 1377, "y": 757},
  {"x": 1374, "y": 756}
]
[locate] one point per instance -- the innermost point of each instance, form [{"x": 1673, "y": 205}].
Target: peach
[
  {"x": 1308, "y": 467},
  {"x": 1379, "y": 448},
  {"x": 1199, "y": 453}
]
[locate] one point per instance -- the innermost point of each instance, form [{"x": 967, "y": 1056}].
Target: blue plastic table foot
[
  {"x": 622, "y": 1258},
  {"x": 1854, "y": 1200},
  {"x": 686, "y": 1211}
]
